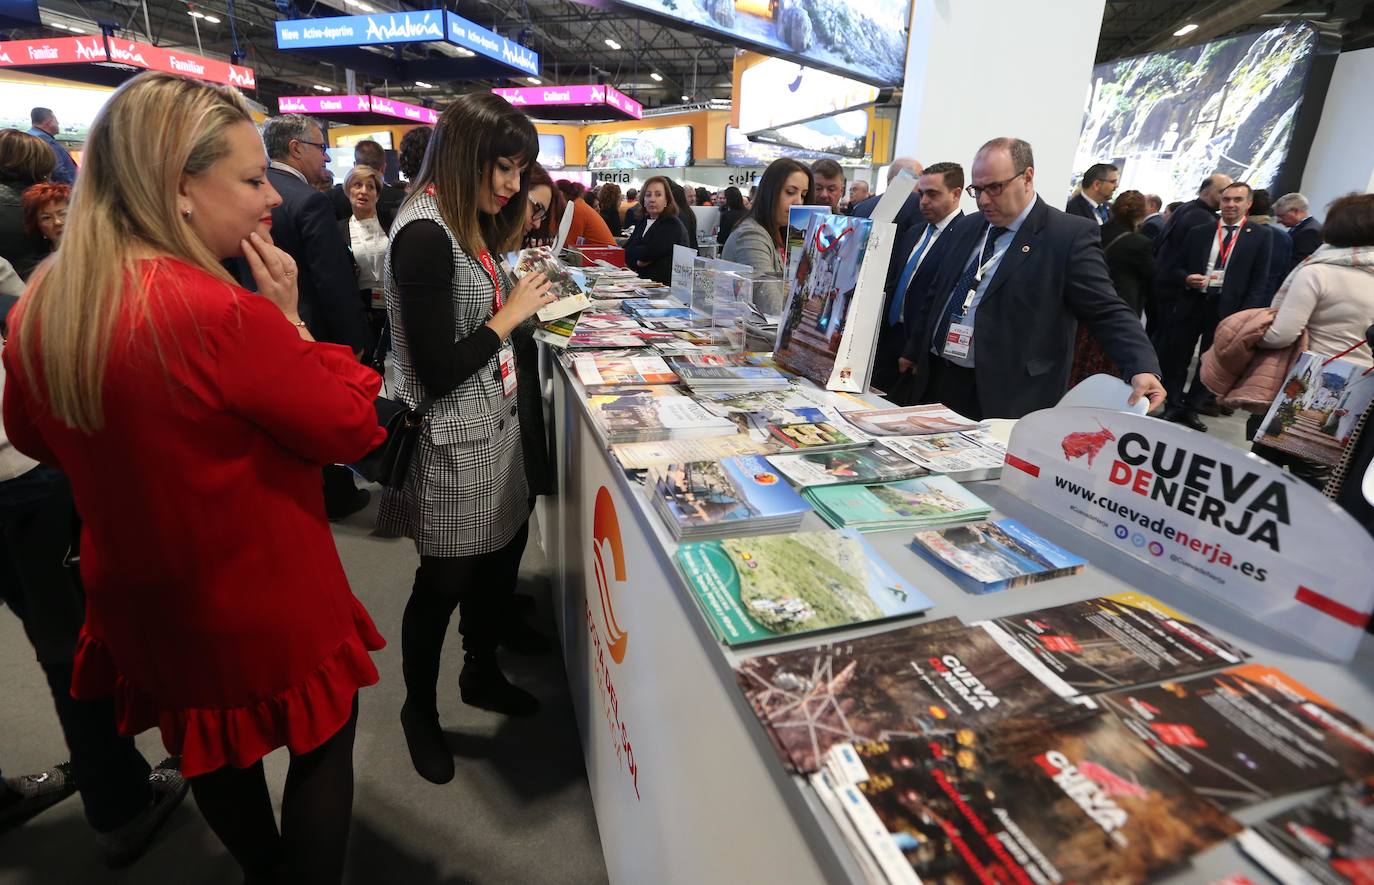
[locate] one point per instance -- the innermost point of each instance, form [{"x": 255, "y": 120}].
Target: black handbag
[{"x": 389, "y": 462}]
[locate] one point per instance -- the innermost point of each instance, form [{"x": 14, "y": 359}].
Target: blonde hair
[
  {"x": 363, "y": 171},
  {"x": 154, "y": 131},
  {"x": 24, "y": 157}
]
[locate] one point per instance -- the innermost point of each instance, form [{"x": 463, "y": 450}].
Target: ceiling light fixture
[
  {"x": 656, "y": 76},
  {"x": 686, "y": 98},
  {"x": 58, "y": 25},
  {"x": 194, "y": 14},
  {"x": 423, "y": 85},
  {"x": 534, "y": 81},
  {"x": 318, "y": 88},
  {"x": 212, "y": 20},
  {"x": 1185, "y": 30},
  {"x": 76, "y": 30},
  {"x": 611, "y": 43}
]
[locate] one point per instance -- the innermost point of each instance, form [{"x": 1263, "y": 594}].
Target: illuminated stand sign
[
  {"x": 114, "y": 51},
  {"x": 580, "y": 98},
  {"x": 337, "y": 105},
  {"x": 426, "y": 26}
]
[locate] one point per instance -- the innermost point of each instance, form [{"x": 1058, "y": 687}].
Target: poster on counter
[{"x": 1212, "y": 516}]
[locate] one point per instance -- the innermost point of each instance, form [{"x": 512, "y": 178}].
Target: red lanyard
[
  {"x": 490, "y": 267},
  {"x": 1224, "y": 249}
]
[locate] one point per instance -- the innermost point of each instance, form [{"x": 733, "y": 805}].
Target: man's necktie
[
  {"x": 1102, "y": 213},
  {"x": 965, "y": 282},
  {"x": 894, "y": 313},
  {"x": 1222, "y": 253}
]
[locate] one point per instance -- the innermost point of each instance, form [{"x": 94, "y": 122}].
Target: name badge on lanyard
[
  {"x": 1216, "y": 277},
  {"x": 959, "y": 338},
  {"x": 506, "y": 356}
]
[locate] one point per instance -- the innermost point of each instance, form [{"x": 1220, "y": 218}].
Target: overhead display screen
[
  {"x": 552, "y": 151},
  {"x": 776, "y": 92},
  {"x": 740, "y": 151},
  {"x": 1170, "y": 119},
  {"x": 858, "y": 38},
  {"x": 641, "y": 149},
  {"x": 844, "y": 135}
]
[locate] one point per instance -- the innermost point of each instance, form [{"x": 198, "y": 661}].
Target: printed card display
[
  {"x": 985, "y": 557},
  {"x": 751, "y": 589}
]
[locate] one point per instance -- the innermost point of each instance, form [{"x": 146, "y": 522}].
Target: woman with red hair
[{"x": 45, "y": 211}]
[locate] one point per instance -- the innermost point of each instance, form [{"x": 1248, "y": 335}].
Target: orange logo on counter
[{"x": 606, "y": 531}]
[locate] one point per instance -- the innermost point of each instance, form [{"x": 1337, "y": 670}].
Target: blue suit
[{"x": 65, "y": 171}]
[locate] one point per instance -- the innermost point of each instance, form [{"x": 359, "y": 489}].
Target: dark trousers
[
  {"x": 954, "y": 386},
  {"x": 36, "y": 529},
  {"x": 480, "y": 587},
  {"x": 891, "y": 344},
  {"x": 1191, "y": 323}
]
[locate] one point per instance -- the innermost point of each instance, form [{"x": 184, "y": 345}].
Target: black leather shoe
[
  {"x": 482, "y": 684},
  {"x": 425, "y": 740},
  {"x": 1188, "y": 419}
]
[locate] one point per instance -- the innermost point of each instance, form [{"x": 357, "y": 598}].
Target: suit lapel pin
[{"x": 1025, "y": 248}]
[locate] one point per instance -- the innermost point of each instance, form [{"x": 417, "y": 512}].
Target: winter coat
[{"x": 1241, "y": 374}]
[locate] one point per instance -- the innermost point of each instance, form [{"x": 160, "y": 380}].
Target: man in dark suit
[
  {"x": 1154, "y": 222},
  {"x": 1094, "y": 197},
  {"x": 1221, "y": 268},
  {"x": 1169, "y": 244},
  {"x": 305, "y": 228},
  {"x": 1304, "y": 230},
  {"x": 996, "y": 325},
  {"x": 937, "y": 191},
  {"x": 909, "y": 215},
  {"x": 369, "y": 153}
]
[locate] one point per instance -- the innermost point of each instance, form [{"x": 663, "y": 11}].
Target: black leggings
[
  {"x": 315, "y": 813},
  {"x": 482, "y": 585}
]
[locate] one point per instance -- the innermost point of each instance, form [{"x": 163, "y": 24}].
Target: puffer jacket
[{"x": 1241, "y": 374}]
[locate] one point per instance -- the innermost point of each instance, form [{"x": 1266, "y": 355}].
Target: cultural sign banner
[{"x": 1214, "y": 517}]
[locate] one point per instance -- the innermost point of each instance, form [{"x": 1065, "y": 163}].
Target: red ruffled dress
[{"x": 216, "y": 605}]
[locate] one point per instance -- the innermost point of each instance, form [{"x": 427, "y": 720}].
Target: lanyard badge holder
[
  {"x": 959, "y": 338},
  {"x": 1216, "y": 274},
  {"x": 506, "y": 356}
]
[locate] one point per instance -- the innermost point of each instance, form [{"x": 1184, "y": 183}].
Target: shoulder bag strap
[{"x": 1116, "y": 239}]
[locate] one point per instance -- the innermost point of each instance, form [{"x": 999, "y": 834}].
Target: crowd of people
[{"x": 211, "y": 328}]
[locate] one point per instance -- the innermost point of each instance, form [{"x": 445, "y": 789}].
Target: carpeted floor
[{"x": 518, "y": 811}]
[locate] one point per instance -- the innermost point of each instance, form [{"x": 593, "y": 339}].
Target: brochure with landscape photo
[
  {"x": 1247, "y": 734},
  {"x": 717, "y": 499},
  {"x": 930, "y": 678},
  {"x": 909, "y": 503},
  {"x": 1081, "y": 802},
  {"x": 614, "y": 371},
  {"x": 1328, "y": 840},
  {"x": 985, "y": 557},
  {"x": 910, "y": 421},
  {"x": 568, "y": 284},
  {"x": 1119, "y": 641},
  {"x": 752, "y": 589},
  {"x": 871, "y": 464},
  {"x": 654, "y": 412}
]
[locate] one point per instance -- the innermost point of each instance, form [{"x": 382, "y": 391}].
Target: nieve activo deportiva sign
[
  {"x": 424, "y": 26},
  {"x": 1216, "y": 518}
]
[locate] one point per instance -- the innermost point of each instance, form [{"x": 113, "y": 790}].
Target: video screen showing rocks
[{"x": 1169, "y": 119}]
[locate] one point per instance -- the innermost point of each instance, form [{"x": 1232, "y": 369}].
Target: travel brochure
[
  {"x": 653, "y": 453},
  {"x": 718, "y": 499},
  {"x": 729, "y": 372},
  {"x": 617, "y": 371},
  {"x": 909, "y": 503},
  {"x": 910, "y": 421},
  {"x": 1328, "y": 840},
  {"x": 569, "y": 285},
  {"x": 872, "y": 464},
  {"x": 963, "y": 457},
  {"x": 752, "y": 589},
  {"x": 653, "y": 412},
  {"x": 985, "y": 557},
  {"x": 813, "y": 436}
]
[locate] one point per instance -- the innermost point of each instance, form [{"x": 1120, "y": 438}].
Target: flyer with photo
[
  {"x": 1329, "y": 840},
  {"x": 986, "y": 557}
]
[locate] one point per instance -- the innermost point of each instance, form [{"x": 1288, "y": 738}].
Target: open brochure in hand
[
  {"x": 612, "y": 371},
  {"x": 909, "y": 503},
  {"x": 985, "y": 557},
  {"x": 1247, "y": 734},
  {"x": 1329, "y": 840},
  {"x": 873, "y": 464},
  {"x": 568, "y": 284},
  {"x": 719, "y": 499},
  {"x": 1118, "y": 641},
  {"x": 1074, "y": 802},
  {"x": 751, "y": 589},
  {"x": 655, "y": 412},
  {"x": 910, "y": 421},
  {"x": 940, "y": 677},
  {"x": 963, "y": 457}
]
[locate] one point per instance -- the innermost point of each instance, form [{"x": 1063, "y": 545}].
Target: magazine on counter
[
  {"x": 1118, "y": 641},
  {"x": 929, "y": 678},
  {"x": 873, "y": 465},
  {"x": 612, "y": 371},
  {"x": 963, "y": 457},
  {"x": 985, "y": 557},
  {"x": 1066, "y": 802},
  {"x": 719, "y": 499},
  {"x": 813, "y": 436},
  {"x": 910, "y": 421},
  {"x": 1329, "y": 840},
  {"x": 752, "y": 589},
  {"x": 653, "y": 412},
  {"x": 653, "y": 453},
  {"x": 1247, "y": 734},
  {"x": 605, "y": 340},
  {"x": 568, "y": 284},
  {"x": 910, "y": 503}
]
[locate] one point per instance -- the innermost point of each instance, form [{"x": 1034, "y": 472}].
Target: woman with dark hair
[
  {"x": 24, "y": 161},
  {"x": 413, "y": 146},
  {"x": 649, "y": 251},
  {"x": 465, "y": 501},
  {"x": 730, "y": 213},
  {"x": 759, "y": 236},
  {"x": 608, "y": 202},
  {"x": 543, "y": 207},
  {"x": 684, "y": 211},
  {"x": 587, "y": 228},
  {"x": 703, "y": 197}
]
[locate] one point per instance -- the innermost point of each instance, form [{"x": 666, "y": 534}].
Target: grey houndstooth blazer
[{"x": 466, "y": 491}]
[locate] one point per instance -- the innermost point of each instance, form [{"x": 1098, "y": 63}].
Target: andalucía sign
[
  {"x": 113, "y": 50},
  {"x": 1212, "y": 516}
]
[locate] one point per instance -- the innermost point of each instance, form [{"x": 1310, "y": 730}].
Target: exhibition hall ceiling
[{"x": 610, "y": 41}]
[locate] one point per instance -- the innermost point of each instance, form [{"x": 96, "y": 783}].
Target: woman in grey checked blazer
[{"x": 465, "y": 501}]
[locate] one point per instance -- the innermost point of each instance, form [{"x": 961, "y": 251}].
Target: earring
[{"x": 186, "y": 213}]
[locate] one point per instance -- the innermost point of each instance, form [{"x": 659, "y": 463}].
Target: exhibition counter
[{"x": 686, "y": 785}]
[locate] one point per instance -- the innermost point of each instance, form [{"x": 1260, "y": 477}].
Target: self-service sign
[{"x": 1212, "y": 516}]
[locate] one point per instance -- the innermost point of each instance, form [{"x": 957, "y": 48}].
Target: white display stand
[{"x": 686, "y": 787}]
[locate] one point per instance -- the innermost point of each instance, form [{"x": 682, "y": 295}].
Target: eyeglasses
[
  {"x": 992, "y": 189},
  {"x": 540, "y": 210},
  {"x": 324, "y": 148}
]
